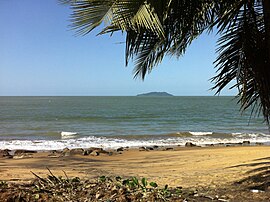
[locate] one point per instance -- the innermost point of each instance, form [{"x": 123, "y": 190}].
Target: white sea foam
[
  {"x": 113, "y": 143},
  {"x": 234, "y": 134},
  {"x": 250, "y": 135},
  {"x": 68, "y": 134},
  {"x": 200, "y": 133}
]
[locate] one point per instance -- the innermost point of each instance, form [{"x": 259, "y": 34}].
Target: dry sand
[{"x": 186, "y": 167}]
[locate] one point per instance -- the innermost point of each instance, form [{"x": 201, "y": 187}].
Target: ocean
[{"x": 47, "y": 123}]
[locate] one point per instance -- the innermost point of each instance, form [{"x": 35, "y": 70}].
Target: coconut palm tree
[{"x": 156, "y": 28}]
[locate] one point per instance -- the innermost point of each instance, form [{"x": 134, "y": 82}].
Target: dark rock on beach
[
  {"x": 22, "y": 151},
  {"x": 120, "y": 149},
  {"x": 87, "y": 151},
  {"x": 5, "y": 153},
  {"x": 77, "y": 151},
  {"x": 231, "y": 144},
  {"x": 92, "y": 149},
  {"x": 190, "y": 144},
  {"x": 97, "y": 149},
  {"x": 142, "y": 149},
  {"x": 146, "y": 148},
  {"x": 21, "y": 154}
]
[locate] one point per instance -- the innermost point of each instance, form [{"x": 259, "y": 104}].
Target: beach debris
[
  {"x": 65, "y": 152},
  {"x": 209, "y": 197},
  {"x": 94, "y": 153},
  {"x": 246, "y": 142},
  {"x": 256, "y": 190},
  {"x": 223, "y": 200},
  {"x": 65, "y": 149},
  {"x": 23, "y": 156},
  {"x": 190, "y": 144},
  {"x": 168, "y": 148},
  {"x": 98, "y": 195}
]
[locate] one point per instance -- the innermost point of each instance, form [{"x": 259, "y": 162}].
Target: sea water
[{"x": 45, "y": 123}]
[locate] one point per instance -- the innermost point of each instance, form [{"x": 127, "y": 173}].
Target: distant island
[{"x": 155, "y": 94}]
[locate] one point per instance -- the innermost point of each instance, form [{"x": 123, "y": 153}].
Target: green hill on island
[{"x": 155, "y": 94}]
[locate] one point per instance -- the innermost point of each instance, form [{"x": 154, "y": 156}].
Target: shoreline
[
  {"x": 111, "y": 143},
  {"x": 178, "y": 166},
  {"x": 150, "y": 147}
]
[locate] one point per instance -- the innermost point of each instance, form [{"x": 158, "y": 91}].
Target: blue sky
[{"x": 39, "y": 55}]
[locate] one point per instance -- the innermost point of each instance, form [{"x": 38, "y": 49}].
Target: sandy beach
[{"x": 186, "y": 167}]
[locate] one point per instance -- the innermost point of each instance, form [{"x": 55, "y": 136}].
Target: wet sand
[{"x": 186, "y": 167}]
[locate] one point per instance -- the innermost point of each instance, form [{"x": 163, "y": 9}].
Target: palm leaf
[
  {"x": 147, "y": 18},
  {"x": 87, "y": 14},
  {"x": 242, "y": 57}
]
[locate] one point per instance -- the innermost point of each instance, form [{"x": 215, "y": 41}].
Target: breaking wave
[{"x": 175, "y": 139}]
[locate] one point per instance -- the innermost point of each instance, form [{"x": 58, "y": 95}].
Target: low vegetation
[
  {"x": 109, "y": 189},
  {"x": 118, "y": 189}
]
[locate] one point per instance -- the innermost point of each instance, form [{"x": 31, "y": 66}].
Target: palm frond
[
  {"x": 185, "y": 21},
  {"x": 180, "y": 27},
  {"x": 147, "y": 18},
  {"x": 148, "y": 49},
  {"x": 242, "y": 57},
  {"x": 88, "y": 14},
  {"x": 117, "y": 15}
]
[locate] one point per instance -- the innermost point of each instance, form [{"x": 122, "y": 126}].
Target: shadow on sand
[{"x": 259, "y": 175}]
